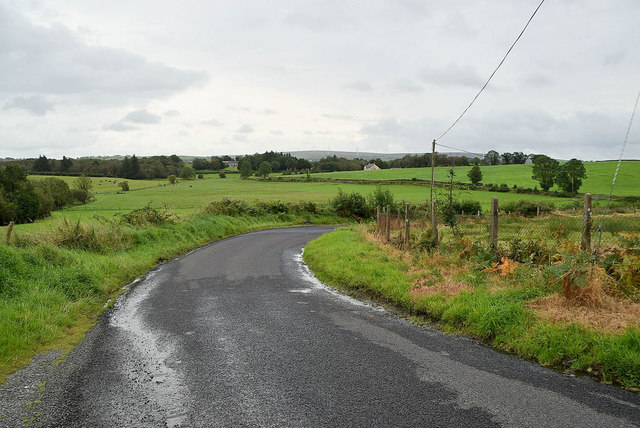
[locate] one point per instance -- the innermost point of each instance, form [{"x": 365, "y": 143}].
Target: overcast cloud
[{"x": 81, "y": 78}]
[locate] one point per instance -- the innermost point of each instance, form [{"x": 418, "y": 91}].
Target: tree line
[{"x": 24, "y": 201}]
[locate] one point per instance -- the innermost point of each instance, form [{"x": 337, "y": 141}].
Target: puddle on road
[{"x": 155, "y": 350}]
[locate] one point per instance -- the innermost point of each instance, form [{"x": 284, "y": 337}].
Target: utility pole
[{"x": 433, "y": 164}]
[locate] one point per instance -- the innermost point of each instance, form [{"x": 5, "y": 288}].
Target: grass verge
[
  {"x": 56, "y": 282},
  {"x": 461, "y": 298}
]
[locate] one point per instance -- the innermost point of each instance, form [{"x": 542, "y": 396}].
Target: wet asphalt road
[{"x": 238, "y": 333}]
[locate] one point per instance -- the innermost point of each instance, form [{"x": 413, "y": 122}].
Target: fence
[{"x": 588, "y": 230}]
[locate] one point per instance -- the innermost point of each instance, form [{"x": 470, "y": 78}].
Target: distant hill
[{"x": 316, "y": 155}]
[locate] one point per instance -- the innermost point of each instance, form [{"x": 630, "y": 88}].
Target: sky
[{"x": 90, "y": 78}]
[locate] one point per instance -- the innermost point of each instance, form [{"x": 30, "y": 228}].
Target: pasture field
[
  {"x": 599, "y": 176},
  {"x": 189, "y": 196}
]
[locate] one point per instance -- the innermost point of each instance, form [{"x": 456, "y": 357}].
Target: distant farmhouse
[
  {"x": 231, "y": 164},
  {"x": 371, "y": 167}
]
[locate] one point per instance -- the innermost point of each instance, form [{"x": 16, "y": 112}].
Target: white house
[{"x": 371, "y": 167}]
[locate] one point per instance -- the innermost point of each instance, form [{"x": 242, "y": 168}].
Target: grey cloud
[
  {"x": 141, "y": 116},
  {"x": 614, "y": 58},
  {"x": 452, "y": 74},
  {"x": 387, "y": 126},
  {"x": 35, "y": 104},
  {"x": 171, "y": 113},
  {"x": 240, "y": 137},
  {"x": 212, "y": 122},
  {"x": 338, "y": 116},
  {"x": 538, "y": 80},
  {"x": 269, "y": 111},
  {"x": 359, "y": 85},
  {"x": 277, "y": 132},
  {"x": 53, "y": 60},
  {"x": 406, "y": 85},
  {"x": 309, "y": 22},
  {"x": 245, "y": 129},
  {"x": 119, "y": 127}
]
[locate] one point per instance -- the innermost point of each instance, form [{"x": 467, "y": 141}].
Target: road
[{"x": 239, "y": 333}]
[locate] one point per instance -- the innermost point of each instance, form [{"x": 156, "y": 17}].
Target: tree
[
  {"x": 124, "y": 185},
  {"x": 519, "y": 158},
  {"x": 65, "y": 163},
  {"x": 200, "y": 164},
  {"x": 492, "y": 158},
  {"x": 172, "y": 179},
  {"x": 83, "y": 183},
  {"x": 475, "y": 175},
  {"x": 507, "y": 158},
  {"x": 42, "y": 164},
  {"x": 187, "y": 172},
  {"x": 264, "y": 169},
  {"x": 245, "y": 168},
  {"x": 544, "y": 170},
  {"x": 570, "y": 175}
]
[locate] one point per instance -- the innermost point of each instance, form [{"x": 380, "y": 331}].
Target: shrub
[
  {"x": 350, "y": 205},
  {"x": 124, "y": 185},
  {"x": 467, "y": 207},
  {"x": 147, "y": 215},
  {"x": 222, "y": 174},
  {"x": 200, "y": 176},
  {"x": 80, "y": 195},
  {"x": 381, "y": 197},
  {"x": 527, "y": 208}
]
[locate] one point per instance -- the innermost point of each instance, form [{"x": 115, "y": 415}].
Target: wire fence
[{"x": 584, "y": 228}]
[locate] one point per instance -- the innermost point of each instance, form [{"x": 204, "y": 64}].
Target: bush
[
  {"x": 222, "y": 174},
  {"x": 381, "y": 197},
  {"x": 200, "y": 176},
  {"x": 350, "y": 205},
  {"x": 527, "y": 208},
  {"x": 147, "y": 215},
  {"x": 124, "y": 185},
  {"x": 80, "y": 195},
  {"x": 467, "y": 207}
]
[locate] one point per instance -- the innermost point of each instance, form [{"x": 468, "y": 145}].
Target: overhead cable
[
  {"x": 613, "y": 183},
  {"x": 492, "y": 74}
]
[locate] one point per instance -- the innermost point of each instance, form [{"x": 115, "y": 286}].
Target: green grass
[
  {"x": 346, "y": 260},
  {"x": 189, "y": 196},
  {"x": 599, "y": 176}
]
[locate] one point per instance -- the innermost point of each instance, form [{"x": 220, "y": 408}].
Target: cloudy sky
[{"x": 89, "y": 77}]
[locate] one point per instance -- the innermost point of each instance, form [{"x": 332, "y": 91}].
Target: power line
[
  {"x": 492, "y": 74},
  {"x": 613, "y": 183},
  {"x": 460, "y": 150}
]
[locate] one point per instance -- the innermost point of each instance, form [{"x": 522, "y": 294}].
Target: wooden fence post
[
  {"x": 9, "y": 230},
  {"x": 378, "y": 228},
  {"x": 493, "y": 235},
  {"x": 406, "y": 226},
  {"x": 387, "y": 229},
  {"x": 587, "y": 221},
  {"x": 434, "y": 223}
]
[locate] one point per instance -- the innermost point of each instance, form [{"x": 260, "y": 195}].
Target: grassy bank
[
  {"x": 54, "y": 282},
  {"x": 521, "y": 311}
]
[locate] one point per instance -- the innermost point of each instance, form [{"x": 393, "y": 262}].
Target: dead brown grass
[
  {"x": 446, "y": 286},
  {"x": 612, "y": 314}
]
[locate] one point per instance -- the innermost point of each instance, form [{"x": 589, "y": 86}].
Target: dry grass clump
[
  {"x": 590, "y": 305},
  {"x": 446, "y": 286}
]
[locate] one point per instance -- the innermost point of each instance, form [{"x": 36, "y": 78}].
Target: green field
[
  {"x": 599, "y": 176},
  {"x": 189, "y": 196}
]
